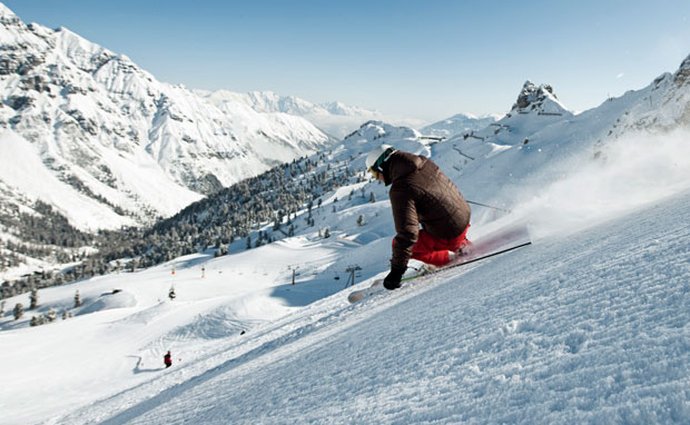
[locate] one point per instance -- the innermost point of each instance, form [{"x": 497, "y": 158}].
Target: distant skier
[
  {"x": 420, "y": 194},
  {"x": 167, "y": 359}
]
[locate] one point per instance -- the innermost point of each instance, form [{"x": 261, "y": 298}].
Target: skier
[
  {"x": 420, "y": 194},
  {"x": 167, "y": 359}
]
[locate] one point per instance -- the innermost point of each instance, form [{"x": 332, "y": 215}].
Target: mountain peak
[
  {"x": 80, "y": 50},
  {"x": 541, "y": 98},
  {"x": 9, "y": 21},
  {"x": 531, "y": 93},
  {"x": 6, "y": 13},
  {"x": 682, "y": 76}
]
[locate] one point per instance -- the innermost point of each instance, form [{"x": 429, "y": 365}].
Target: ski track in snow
[{"x": 589, "y": 328}]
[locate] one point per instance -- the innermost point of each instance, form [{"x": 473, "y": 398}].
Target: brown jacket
[{"x": 421, "y": 194}]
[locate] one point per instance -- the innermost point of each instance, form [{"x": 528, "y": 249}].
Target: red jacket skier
[
  {"x": 420, "y": 195},
  {"x": 167, "y": 359}
]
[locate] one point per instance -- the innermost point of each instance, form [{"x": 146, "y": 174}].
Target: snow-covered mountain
[
  {"x": 539, "y": 135},
  {"x": 268, "y": 101},
  {"x": 458, "y": 124},
  {"x": 113, "y": 145},
  {"x": 541, "y": 99},
  {"x": 334, "y": 118},
  {"x": 588, "y": 325},
  {"x": 532, "y": 99}
]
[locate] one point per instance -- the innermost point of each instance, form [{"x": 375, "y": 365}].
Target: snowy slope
[
  {"x": 592, "y": 326},
  {"x": 457, "y": 124},
  {"x": 601, "y": 297},
  {"x": 22, "y": 169}
]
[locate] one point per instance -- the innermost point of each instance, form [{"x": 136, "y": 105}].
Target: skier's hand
[{"x": 392, "y": 281}]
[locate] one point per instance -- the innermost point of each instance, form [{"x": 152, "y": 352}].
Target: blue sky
[{"x": 420, "y": 59}]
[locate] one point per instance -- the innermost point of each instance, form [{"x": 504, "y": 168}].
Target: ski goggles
[
  {"x": 377, "y": 168},
  {"x": 375, "y": 174}
]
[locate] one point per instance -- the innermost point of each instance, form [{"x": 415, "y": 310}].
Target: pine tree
[
  {"x": 51, "y": 316},
  {"x": 222, "y": 250},
  {"x": 18, "y": 311},
  {"x": 77, "y": 299},
  {"x": 33, "y": 298}
]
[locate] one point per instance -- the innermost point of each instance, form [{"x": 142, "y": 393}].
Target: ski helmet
[{"x": 378, "y": 156}]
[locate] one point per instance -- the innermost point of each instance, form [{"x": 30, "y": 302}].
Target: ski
[
  {"x": 487, "y": 247},
  {"x": 472, "y": 260}
]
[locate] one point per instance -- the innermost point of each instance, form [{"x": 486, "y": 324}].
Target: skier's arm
[{"x": 406, "y": 227}]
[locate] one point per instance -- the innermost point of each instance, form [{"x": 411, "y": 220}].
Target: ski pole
[{"x": 487, "y": 206}]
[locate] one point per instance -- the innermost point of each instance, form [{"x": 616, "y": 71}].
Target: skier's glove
[{"x": 392, "y": 281}]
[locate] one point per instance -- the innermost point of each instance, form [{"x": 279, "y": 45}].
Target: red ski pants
[{"x": 431, "y": 250}]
